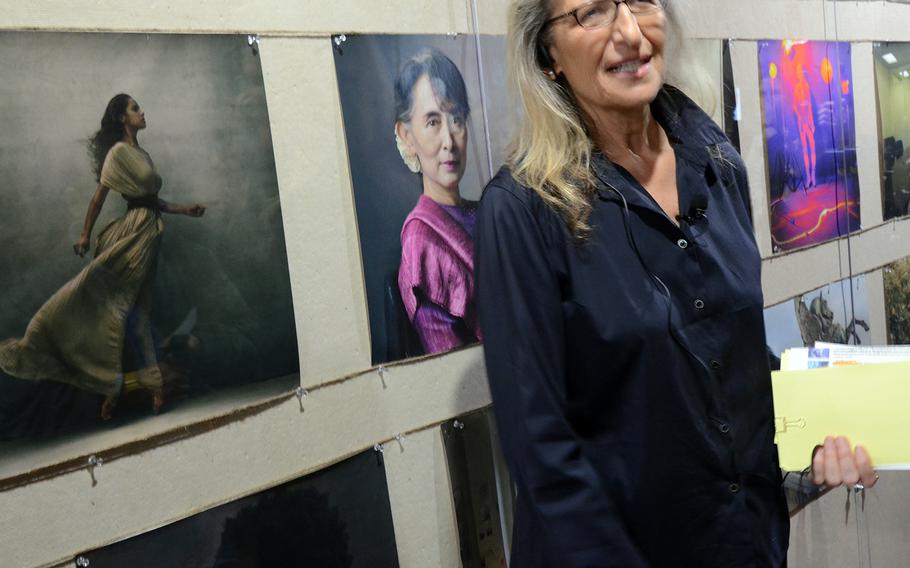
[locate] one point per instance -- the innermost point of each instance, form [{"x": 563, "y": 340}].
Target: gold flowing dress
[{"x": 78, "y": 335}]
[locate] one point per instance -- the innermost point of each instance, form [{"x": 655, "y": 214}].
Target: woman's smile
[{"x": 637, "y": 68}]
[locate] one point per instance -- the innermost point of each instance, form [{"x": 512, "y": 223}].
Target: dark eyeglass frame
[{"x": 574, "y": 13}]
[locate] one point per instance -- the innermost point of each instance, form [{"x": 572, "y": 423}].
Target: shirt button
[
  {"x": 682, "y": 243},
  {"x": 714, "y": 364},
  {"x": 734, "y": 488},
  {"x": 724, "y": 429},
  {"x": 699, "y": 304}
]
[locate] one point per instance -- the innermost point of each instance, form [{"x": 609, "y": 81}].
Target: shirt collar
[{"x": 689, "y": 129}]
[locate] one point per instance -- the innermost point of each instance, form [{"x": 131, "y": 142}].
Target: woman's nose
[
  {"x": 446, "y": 133},
  {"x": 625, "y": 26}
]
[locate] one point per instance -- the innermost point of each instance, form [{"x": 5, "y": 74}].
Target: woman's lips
[
  {"x": 637, "y": 69},
  {"x": 451, "y": 164}
]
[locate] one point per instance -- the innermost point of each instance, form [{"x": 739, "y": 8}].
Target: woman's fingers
[
  {"x": 832, "y": 465},
  {"x": 846, "y": 461},
  {"x": 818, "y": 465},
  {"x": 867, "y": 474},
  {"x": 835, "y": 463}
]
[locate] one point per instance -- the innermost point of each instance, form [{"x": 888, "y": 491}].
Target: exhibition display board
[{"x": 285, "y": 321}]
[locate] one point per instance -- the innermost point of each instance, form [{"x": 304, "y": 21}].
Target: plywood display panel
[
  {"x": 421, "y": 495},
  {"x": 320, "y": 229},
  {"x": 61, "y": 516},
  {"x": 269, "y": 17}
]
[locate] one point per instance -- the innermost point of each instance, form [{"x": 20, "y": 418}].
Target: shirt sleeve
[
  {"x": 519, "y": 303},
  {"x": 800, "y": 491},
  {"x": 435, "y": 327}
]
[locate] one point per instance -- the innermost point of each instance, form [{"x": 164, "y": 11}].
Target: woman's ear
[
  {"x": 404, "y": 139},
  {"x": 404, "y": 134},
  {"x": 546, "y": 58},
  {"x": 554, "y": 60}
]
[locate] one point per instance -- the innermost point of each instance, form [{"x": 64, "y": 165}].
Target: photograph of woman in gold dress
[
  {"x": 160, "y": 317},
  {"x": 94, "y": 332}
]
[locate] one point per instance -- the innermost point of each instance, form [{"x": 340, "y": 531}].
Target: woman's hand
[
  {"x": 835, "y": 464},
  {"x": 81, "y": 246},
  {"x": 194, "y": 210}
]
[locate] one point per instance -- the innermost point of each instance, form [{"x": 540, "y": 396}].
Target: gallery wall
[{"x": 345, "y": 405}]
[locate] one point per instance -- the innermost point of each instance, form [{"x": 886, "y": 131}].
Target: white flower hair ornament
[{"x": 410, "y": 158}]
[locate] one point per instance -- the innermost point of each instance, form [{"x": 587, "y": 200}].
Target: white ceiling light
[{"x": 889, "y": 58}]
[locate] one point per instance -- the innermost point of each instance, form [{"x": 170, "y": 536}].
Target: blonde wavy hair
[{"x": 552, "y": 149}]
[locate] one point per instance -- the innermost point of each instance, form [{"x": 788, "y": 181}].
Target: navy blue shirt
[{"x": 629, "y": 374}]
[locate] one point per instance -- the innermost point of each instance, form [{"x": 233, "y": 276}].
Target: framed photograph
[
  {"x": 837, "y": 313},
  {"x": 482, "y": 489},
  {"x": 897, "y": 301},
  {"x": 417, "y": 143},
  {"x": 338, "y": 517},
  {"x": 810, "y": 141},
  {"x": 145, "y": 267},
  {"x": 892, "y": 77}
]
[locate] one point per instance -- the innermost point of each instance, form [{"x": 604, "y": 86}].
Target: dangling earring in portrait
[{"x": 410, "y": 158}]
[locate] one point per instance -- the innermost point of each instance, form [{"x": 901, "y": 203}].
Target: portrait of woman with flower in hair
[{"x": 436, "y": 274}]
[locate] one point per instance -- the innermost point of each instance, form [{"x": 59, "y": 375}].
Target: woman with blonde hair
[{"x": 620, "y": 300}]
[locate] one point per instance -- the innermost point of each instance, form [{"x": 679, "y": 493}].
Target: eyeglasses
[{"x": 602, "y": 13}]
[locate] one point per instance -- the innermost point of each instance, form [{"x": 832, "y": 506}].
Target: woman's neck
[
  {"x": 628, "y": 134},
  {"x": 440, "y": 194},
  {"x": 130, "y": 137}
]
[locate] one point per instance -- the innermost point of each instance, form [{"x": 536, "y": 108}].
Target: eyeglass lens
[{"x": 597, "y": 14}]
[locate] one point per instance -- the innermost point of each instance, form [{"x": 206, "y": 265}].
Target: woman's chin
[{"x": 447, "y": 186}]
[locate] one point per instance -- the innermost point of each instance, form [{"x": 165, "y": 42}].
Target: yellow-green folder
[{"x": 870, "y": 404}]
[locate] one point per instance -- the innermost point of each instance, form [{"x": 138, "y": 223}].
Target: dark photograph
[
  {"x": 339, "y": 517},
  {"x": 892, "y": 70},
  {"x": 482, "y": 489}
]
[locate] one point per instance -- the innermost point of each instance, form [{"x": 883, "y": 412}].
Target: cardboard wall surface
[{"x": 47, "y": 523}]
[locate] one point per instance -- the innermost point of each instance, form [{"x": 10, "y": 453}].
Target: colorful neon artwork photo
[{"x": 810, "y": 138}]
